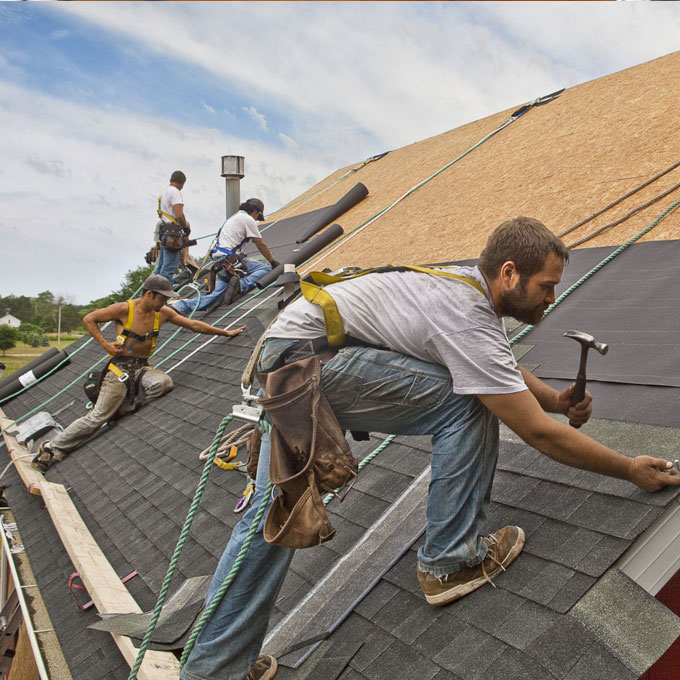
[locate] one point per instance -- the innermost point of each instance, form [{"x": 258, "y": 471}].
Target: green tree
[
  {"x": 35, "y": 340},
  {"x": 8, "y": 338},
  {"x": 70, "y": 318},
  {"x": 26, "y": 330}
]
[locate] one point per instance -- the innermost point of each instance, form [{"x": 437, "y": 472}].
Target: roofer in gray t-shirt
[{"x": 426, "y": 354}]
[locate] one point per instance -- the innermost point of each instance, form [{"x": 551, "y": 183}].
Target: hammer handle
[
  {"x": 579, "y": 391},
  {"x": 580, "y": 385}
]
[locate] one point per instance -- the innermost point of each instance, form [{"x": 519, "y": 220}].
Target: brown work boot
[
  {"x": 265, "y": 668},
  {"x": 504, "y": 546},
  {"x": 43, "y": 459}
]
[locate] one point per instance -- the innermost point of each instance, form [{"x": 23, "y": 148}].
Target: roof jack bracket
[{"x": 248, "y": 410}]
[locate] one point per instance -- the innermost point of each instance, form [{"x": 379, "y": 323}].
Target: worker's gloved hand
[
  {"x": 579, "y": 413},
  {"x": 653, "y": 474},
  {"x": 274, "y": 263}
]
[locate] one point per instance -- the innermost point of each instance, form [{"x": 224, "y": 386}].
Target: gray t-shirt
[{"x": 433, "y": 318}]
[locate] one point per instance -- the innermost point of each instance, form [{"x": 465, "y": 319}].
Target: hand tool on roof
[{"x": 586, "y": 341}]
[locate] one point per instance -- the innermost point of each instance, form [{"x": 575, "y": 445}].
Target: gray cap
[
  {"x": 159, "y": 284},
  {"x": 258, "y": 205}
]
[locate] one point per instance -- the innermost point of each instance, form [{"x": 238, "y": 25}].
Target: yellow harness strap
[
  {"x": 335, "y": 328},
  {"x": 127, "y": 329},
  {"x": 161, "y": 213}
]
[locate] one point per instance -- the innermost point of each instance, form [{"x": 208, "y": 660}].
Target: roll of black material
[
  {"x": 30, "y": 366},
  {"x": 14, "y": 383},
  {"x": 304, "y": 253},
  {"x": 356, "y": 194}
]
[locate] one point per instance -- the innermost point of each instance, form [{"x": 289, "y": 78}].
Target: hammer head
[{"x": 587, "y": 341}]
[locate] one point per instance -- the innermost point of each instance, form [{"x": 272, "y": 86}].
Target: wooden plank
[
  {"x": 22, "y": 459},
  {"x": 103, "y": 585}
]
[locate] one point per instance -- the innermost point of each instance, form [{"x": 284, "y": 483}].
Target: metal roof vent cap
[{"x": 233, "y": 170}]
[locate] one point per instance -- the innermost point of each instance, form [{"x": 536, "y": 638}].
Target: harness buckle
[
  {"x": 247, "y": 410},
  {"x": 123, "y": 377}
]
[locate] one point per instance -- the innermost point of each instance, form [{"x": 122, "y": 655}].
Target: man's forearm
[{"x": 547, "y": 396}]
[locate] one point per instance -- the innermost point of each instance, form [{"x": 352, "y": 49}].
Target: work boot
[
  {"x": 265, "y": 668},
  {"x": 503, "y": 548},
  {"x": 43, "y": 459},
  {"x": 233, "y": 289}
]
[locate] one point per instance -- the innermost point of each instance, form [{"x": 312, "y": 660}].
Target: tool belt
[
  {"x": 309, "y": 454},
  {"x": 124, "y": 368},
  {"x": 172, "y": 236}
]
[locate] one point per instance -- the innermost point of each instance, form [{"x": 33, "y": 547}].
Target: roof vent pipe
[{"x": 233, "y": 170}]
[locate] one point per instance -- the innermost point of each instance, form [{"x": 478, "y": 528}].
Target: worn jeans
[
  {"x": 255, "y": 270},
  {"x": 168, "y": 261},
  {"x": 376, "y": 391},
  {"x": 111, "y": 397}
]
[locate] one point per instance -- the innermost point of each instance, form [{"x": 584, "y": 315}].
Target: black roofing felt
[
  {"x": 133, "y": 485},
  {"x": 633, "y": 305},
  {"x": 284, "y": 236}
]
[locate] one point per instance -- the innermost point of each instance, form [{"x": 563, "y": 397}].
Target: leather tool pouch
[
  {"x": 253, "y": 453},
  {"x": 172, "y": 236},
  {"x": 309, "y": 455}
]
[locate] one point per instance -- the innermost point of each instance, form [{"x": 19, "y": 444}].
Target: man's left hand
[
  {"x": 235, "y": 331},
  {"x": 579, "y": 413}
]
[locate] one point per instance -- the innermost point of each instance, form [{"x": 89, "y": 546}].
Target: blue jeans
[
  {"x": 168, "y": 261},
  {"x": 378, "y": 391},
  {"x": 254, "y": 272}
]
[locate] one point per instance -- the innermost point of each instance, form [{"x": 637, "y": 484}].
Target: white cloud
[
  {"x": 330, "y": 83},
  {"x": 79, "y": 203},
  {"x": 395, "y": 72},
  {"x": 289, "y": 143},
  {"x": 258, "y": 117}
]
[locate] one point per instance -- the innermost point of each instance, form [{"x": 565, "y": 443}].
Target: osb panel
[{"x": 559, "y": 163}]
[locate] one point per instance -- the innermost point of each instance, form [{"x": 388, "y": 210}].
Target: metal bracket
[{"x": 247, "y": 410}]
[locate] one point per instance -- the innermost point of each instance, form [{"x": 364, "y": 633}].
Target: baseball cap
[
  {"x": 159, "y": 284},
  {"x": 258, "y": 205}
]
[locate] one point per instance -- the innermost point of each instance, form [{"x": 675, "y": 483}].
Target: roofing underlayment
[{"x": 566, "y": 609}]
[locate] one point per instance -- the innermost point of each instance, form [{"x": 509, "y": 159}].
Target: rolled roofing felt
[
  {"x": 303, "y": 253},
  {"x": 29, "y": 366},
  {"x": 356, "y": 194},
  {"x": 14, "y": 383}
]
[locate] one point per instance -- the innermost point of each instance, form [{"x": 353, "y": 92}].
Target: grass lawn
[{"x": 14, "y": 360}]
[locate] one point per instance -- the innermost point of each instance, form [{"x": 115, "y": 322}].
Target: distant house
[{"x": 9, "y": 320}]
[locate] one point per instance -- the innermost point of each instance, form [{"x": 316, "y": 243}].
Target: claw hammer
[{"x": 586, "y": 341}]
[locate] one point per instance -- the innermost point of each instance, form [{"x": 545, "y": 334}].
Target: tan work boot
[
  {"x": 504, "y": 546},
  {"x": 264, "y": 669}
]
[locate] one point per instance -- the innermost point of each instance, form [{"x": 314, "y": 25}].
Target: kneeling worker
[
  {"x": 231, "y": 237},
  {"x": 137, "y": 324}
]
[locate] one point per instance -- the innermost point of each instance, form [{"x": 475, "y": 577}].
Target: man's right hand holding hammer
[{"x": 526, "y": 413}]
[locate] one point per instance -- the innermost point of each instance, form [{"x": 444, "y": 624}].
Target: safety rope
[
  {"x": 640, "y": 208},
  {"x": 234, "y": 438},
  {"x": 219, "y": 595},
  {"x": 618, "y": 200},
  {"x": 178, "y": 548}
]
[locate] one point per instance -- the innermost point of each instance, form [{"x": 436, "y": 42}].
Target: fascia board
[{"x": 655, "y": 557}]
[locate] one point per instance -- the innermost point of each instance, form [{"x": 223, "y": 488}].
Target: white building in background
[{"x": 9, "y": 320}]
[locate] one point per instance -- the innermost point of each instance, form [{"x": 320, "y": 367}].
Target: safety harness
[
  {"x": 315, "y": 293},
  {"x": 162, "y": 214},
  {"x": 135, "y": 393}
]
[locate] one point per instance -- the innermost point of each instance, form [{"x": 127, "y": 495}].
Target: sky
[{"x": 101, "y": 102}]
